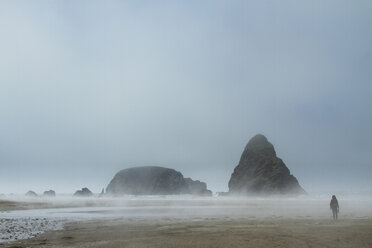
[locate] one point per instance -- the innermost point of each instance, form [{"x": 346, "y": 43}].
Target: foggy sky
[{"x": 91, "y": 87}]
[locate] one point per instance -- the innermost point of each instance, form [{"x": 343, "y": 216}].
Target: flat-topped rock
[{"x": 153, "y": 180}]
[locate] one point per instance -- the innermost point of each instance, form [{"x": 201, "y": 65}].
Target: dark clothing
[
  {"x": 334, "y": 204},
  {"x": 335, "y": 208}
]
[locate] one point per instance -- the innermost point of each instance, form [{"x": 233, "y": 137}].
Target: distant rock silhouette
[
  {"x": 84, "y": 192},
  {"x": 153, "y": 180},
  {"x": 31, "y": 194},
  {"x": 197, "y": 188},
  {"x": 49, "y": 193},
  {"x": 260, "y": 171}
]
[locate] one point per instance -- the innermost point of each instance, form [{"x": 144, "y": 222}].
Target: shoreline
[
  {"x": 179, "y": 222},
  {"x": 207, "y": 232}
]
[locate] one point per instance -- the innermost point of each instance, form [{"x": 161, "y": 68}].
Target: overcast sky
[{"x": 91, "y": 87}]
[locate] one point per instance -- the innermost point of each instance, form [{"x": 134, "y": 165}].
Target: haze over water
[{"x": 88, "y": 88}]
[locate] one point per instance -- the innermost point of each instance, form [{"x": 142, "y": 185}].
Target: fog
[
  {"x": 187, "y": 206},
  {"x": 37, "y": 215},
  {"x": 88, "y": 88}
]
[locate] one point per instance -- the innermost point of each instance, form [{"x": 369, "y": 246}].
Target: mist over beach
[{"x": 185, "y": 124}]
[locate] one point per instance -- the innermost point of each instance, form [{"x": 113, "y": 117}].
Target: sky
[{"x": 88, "y": 88}]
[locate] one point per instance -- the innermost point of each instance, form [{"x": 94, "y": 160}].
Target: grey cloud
[{"x": 89, "y": 88}]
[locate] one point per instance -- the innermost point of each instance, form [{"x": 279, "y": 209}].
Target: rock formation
[
  {"x": 153, "y": 180},
  {"x": 49, "y": 193},
  {"x": 31, "y": 194},
  {"x": 260, "y": 171},
  {"x": 84, "y": 192},
  {"x": 197, "y": 188}
]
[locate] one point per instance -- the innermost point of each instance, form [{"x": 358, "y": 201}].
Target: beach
[
  {"x": 215, "y": 232},
  {"x": 190, "y": 222}
]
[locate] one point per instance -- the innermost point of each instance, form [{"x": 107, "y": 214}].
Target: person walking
[{"x": 334, "y": 206}]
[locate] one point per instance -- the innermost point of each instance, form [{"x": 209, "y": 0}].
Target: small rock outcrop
[
  {"x": 260, "y": 171},
  {"x": 197, "y": 188},
  {"x": 49, "y": 193},
  {"x": 84, "y": 192},
  {"x": 152, "y": 180},
  {"x": 31, "y": 194}
]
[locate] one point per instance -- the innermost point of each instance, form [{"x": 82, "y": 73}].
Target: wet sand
[
  {"x": 208, "y": 232},
  {"x": 6, "y": 205},
  {"x": 159, "y": 222}
]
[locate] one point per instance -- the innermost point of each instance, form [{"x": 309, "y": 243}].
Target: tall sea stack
[{"x": 260, "y": 171}]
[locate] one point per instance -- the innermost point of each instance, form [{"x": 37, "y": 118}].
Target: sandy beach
[
  {"x": 178, "y": 222},
  {"x": 208, "y": 232}
]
